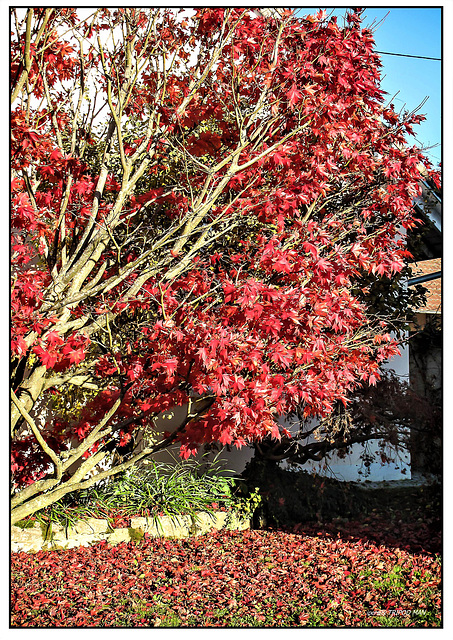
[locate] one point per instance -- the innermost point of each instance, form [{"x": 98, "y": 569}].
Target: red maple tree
[{"x": 195, "y": 198}]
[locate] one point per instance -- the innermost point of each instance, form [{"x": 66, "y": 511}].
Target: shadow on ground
[{"x": 405, "y": 517}]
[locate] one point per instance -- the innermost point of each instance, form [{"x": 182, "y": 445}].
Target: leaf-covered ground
[{"x": 271, "y": 578}]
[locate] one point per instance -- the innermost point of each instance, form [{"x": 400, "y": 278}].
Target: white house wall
[{"x": 351, "y": 467}]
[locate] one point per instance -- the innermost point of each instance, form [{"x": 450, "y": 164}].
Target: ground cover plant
[
  {"x": 202, "y": 202},
  {"x": 272, "y": 578}
]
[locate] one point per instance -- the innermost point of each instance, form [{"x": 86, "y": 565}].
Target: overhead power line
[{"x": 406, "y": 55}]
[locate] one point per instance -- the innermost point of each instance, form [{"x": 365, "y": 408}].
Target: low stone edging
[{"x": 92, "y": 530}]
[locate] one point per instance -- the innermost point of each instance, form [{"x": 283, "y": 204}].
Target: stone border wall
[{"x": 92, "y": 530}]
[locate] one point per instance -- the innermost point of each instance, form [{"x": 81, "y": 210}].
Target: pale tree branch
[
  {"x": 36, "y": 432},
  {"x": 27, "y": 55}
]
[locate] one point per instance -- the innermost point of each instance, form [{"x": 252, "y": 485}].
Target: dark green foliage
[{"x": 389, "y": 298}]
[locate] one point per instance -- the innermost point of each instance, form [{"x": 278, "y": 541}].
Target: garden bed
[
  {"x": 35, "y": 536},
  {"x": 184, "y": 499}
]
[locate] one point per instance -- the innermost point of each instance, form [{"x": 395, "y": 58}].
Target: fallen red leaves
[{"x": 242, "y": 579}]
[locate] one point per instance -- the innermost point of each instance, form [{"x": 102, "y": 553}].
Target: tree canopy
[{"x": 197, "y": 197}]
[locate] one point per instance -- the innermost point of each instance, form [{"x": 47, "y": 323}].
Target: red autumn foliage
[
  {"x": 254, "y": 578},
  {"x": 194, "y": 233}
]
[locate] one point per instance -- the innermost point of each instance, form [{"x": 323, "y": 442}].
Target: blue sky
[{"x": 413, "y": 31}]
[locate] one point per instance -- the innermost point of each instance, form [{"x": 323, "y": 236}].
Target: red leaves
[
  {"x": 310, "y": 248},
  {"x": 280, "y": 158},
  {"x": 281, "y": 355},
  {"x": 294, "y": 96},
  {"x": 134, "y": 370},
  {"x": 47, "y": 357},
  {"x": 282, "y": 265},
  {"x": 53, "y": 338},
  {"x": 206, "y": 142},
  {"x": 268, "y": 577},
  {"x": 53, "y": 355},
  {"x": 23, "y": 214},
  {"x": 74, "y": 355}
]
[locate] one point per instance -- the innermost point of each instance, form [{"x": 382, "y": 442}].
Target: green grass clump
[
  {"x": 169, "y": 489},
  {"x": 182, "y": 487}
]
